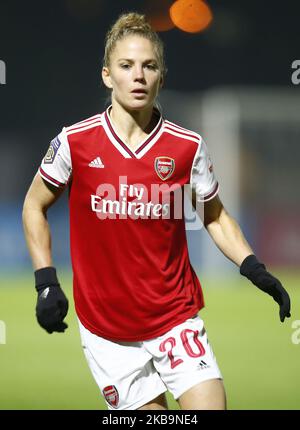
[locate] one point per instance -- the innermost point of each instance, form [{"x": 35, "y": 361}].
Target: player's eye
[
  {"x": 151, "y": 66},
  {"x": 125, "y": 66}
]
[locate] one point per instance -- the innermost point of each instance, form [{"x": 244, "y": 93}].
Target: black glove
[
  {"x": 256, "y": 272},
  {"x": 52, "y": 304}
]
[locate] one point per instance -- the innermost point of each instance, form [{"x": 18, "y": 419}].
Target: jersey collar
[{"x": 122, "y": 147}]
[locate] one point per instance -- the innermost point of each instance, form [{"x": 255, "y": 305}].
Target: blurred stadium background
[{"x": 231, "y": 83}]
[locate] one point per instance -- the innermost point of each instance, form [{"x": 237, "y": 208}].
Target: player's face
[{"x": 133, "y": 74}]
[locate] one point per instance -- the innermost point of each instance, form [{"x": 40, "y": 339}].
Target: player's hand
[
  {"x": 52, "y": 304},
  {"x": 256, "y": 272}
]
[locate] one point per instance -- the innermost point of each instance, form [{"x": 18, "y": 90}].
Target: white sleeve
[
  {"x": 203, "y": 179},
  {"x": 56, "y": 166}
]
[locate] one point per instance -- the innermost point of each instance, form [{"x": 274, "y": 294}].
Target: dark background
[{"x": 54, "y": 53}]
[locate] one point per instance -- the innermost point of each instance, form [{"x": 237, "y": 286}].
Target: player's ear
[{"x": 106, "y": 77}]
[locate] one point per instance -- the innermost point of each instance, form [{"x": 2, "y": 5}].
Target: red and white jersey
[{"x": 133, "y": 279}]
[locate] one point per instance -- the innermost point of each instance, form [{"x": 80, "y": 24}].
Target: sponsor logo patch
[
  {"x": 111, "y": 395},
  {"x": 51, "y": 153},
  {"x": 164, "y": 167}
]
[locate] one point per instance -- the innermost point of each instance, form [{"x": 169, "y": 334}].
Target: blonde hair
[{"x": 130, "y": 24}]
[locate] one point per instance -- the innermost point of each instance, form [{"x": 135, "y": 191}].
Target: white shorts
[{"x": 130, "y": 374}]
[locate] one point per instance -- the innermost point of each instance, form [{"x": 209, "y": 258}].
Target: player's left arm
[
  {"x": 225, "y": 231},
  {"x": 229, "y": 238}
]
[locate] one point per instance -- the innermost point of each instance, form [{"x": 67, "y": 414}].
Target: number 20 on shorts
[{"x": 171, "y": 343}]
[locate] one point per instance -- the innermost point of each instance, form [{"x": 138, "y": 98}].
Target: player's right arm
[
  {"x": 36, "y": 228},
  {"x": 47, "y": 186},
  {"x": 52, "y": 304}
]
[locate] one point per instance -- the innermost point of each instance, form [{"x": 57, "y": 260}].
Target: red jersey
[{"x": 133, "y": 279}]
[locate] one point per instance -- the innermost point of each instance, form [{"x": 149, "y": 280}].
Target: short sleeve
[
  {"x": 56, "y": 166},
  {"x": 203, "y": 180}
]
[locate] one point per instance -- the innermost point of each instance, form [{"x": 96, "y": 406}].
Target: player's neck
[{"x": 133, "y": 125}]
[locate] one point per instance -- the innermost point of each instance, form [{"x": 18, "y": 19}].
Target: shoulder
[
  {"x": 84, "y": 125},
  {"x": 183, "y": 134}
]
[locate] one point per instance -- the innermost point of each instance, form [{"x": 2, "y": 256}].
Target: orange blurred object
[{"x": 191, "y": 16}]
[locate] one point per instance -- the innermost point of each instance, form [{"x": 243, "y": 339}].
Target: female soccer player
[{"x": 136, "y": 294}]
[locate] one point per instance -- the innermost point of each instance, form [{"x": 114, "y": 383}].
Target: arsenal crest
[
  {"x": 111, "y": 395},
  {"x": 164, "y": 167}
]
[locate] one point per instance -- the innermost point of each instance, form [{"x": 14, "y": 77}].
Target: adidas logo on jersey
[
  {"x": 203, "y": 365},
  {"x": 96, "y": 163}
]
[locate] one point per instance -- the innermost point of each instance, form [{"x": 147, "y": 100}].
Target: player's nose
[{"x": 138, "y": 73}]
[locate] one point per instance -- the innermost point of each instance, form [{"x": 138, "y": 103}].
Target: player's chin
[{"x": 140, "y": 103}]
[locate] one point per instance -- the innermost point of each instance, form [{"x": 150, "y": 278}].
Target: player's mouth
[{"x": 139, "y": 91}]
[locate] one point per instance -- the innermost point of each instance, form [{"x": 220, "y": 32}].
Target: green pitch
[{"x": 254, "y": 350}]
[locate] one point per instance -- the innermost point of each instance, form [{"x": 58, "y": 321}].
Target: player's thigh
[
  {"x": 183, "y": 357},
  {"x": 159, "y": 403},
  {"x": 207, "y": 395}
]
